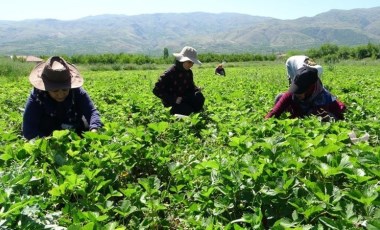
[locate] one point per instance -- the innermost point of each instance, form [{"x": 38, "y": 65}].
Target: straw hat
[{"x": 55, "y": 74}]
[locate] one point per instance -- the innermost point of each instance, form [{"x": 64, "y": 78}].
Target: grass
[{"x": 13, "y": 69}]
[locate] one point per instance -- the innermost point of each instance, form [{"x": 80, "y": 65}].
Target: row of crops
[{"x": 224, "y": 168}]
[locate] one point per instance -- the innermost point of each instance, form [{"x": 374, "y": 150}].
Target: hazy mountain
[{"x": 222, "y": 33}]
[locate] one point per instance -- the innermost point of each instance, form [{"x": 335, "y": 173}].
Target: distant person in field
[
  {"x": 176, "y": 87},
  {"x": 219, "y": 70},
  {"x": 58, "y": 101},
  {"x": 294, "y": 63},
  {"x": 306, "y": 96}
]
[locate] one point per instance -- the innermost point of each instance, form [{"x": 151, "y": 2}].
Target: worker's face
[
  {"x": 187, "y": 65},
  {"x": 59, "y": 95},
  {"x": 300, "y": 96}
]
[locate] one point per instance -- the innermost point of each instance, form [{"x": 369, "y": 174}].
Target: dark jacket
[
  {"x": 220, "y": 71},
  {"x": 175, "y": 82},
  {"x": 43, "y": 114}
]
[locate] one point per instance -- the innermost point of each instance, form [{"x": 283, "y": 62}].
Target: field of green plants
[{"x": 225, "y": 168}]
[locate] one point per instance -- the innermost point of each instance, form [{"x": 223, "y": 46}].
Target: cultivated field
[{"x": 225, "y": 168}]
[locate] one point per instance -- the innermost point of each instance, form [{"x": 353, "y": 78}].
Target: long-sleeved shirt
[
  {"x": 289, "y": 103},
  {"x": 43, "y": 114},
  {"x": 175, "y": 82}
]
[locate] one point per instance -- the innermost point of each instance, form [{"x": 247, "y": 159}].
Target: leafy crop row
[{"x": 225, "y": 168}]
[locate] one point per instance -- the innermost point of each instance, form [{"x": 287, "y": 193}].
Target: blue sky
[{"x": 74, "y": 9}]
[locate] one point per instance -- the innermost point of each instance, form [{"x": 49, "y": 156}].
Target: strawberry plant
[{"x": 223, "y": 168}]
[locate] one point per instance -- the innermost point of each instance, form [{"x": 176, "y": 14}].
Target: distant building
[
  {"x": 29, "y": 59},
  {"x": 33, "y": 59},
  {"x": 282, "y": 56}
]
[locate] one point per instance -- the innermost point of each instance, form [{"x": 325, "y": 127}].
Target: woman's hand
[
  {"x": 178, "y": 100},
  {"x": 325, "y": 116}
]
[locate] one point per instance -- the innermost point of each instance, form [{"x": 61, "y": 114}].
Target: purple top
[
  {"x": 289, "y": 103},
  {"x": 43, "y": 114}
]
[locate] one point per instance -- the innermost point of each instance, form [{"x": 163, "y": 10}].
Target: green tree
[
  {"x": 345, "y": 53},
  {"x": 166, "y": 53},
  {"x": 327, "y": 49},
  {"x": 362, "y": 52}
]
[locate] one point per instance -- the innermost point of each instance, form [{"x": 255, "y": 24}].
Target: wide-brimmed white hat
[
  {"x": 187, "y": 54},
  {"x": 55, "y": 74}
]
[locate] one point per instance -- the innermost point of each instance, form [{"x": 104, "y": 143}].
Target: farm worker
[
  {"x": 176, "y": 87},
  {"x": 57, "y": 101},
  {"x": 219, "y": 70},
  {"x": 294, "y": 63},
  {"x": 306, "y": 96}
]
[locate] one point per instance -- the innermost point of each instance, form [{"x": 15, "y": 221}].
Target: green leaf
[
  {"x": 284, "y": 223},
  {"x": 317, "y": 140},
  {"x": 60, "y": 134},
  {"x": 22, "y": 179},
  {"x": 316, "y": 189},
  {"x": 90, "y": 174},
  {"x": 327, "y": 171},
  {"x": 310, "y": 210},
  {"x": 329, "y": 223},
  {"x": 254, "y": 219},
  {"x": 159, "y": 127},
  {"x": 102, "y": 184},
  {"x": 96, "y": 136},
  {"x": 128, "y": 192},
  {"x": 89, "y": 226},
  {"x": 373, "y": 225},
  {"x": 208, "y": 192},
  {"x": 58, "y": 190},
  {"x": 147, "y": 183},
  {"x": 209, "y": 164},
  {"x": 111, "y": 226},
  {"x": 253, "y": 171},
  {"x": 235, "y": 141},
  {"x": 177, "y": 188},
  {"x": 350, "y": 211},
  {"x": 6, "y": 157},
  {"x": 288, "y": 183},
  {"x": 59, "y": 159},
  {"x": 268, "y": 191},
  {"x": 73, "y": 153},
  {"x": 323, "y": 151},
  {"x": 366, "y": 197},
  {"x": 14, "y": 209}
]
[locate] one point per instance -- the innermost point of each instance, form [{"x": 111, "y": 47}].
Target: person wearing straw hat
[
  {"x": 176, "y": 87},
  {"x": 219, "y": 70},
  {"x": 58, "y": 101},
  {"x": 307, "y": 96}
]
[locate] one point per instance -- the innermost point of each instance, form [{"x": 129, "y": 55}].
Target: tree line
[
  {"x": 330, "y": 53},
  {"x": 139, "y": 59}
]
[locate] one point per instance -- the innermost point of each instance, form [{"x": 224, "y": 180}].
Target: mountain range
[{"x": 207, "y": 32}]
